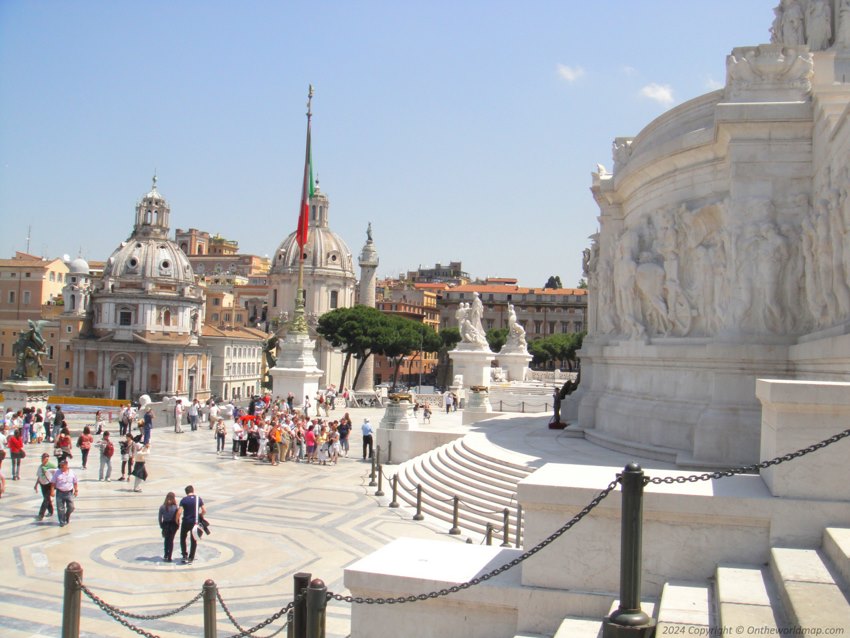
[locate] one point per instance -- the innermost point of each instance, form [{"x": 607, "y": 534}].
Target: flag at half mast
[{"x": 307, "y": 186}]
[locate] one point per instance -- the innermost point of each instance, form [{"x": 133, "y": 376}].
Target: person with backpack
[
  {"x": 189, "y": 514},
  {"x": 107, "y": 449}
]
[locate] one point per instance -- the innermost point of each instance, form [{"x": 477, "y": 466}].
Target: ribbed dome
[
  {"x": 324, "y": 250},
  {"x": 149, "y": 258}
]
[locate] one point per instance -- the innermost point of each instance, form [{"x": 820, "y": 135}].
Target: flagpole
[{"x": 299, "y": 323}]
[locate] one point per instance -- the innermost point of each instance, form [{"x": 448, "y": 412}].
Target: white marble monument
[
  {"x": 472, "y": 357},
  {"x": 514, "y": 357}
]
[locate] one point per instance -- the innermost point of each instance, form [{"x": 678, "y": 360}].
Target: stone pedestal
[
  {"x": 477, "y": 406},
  {"x": 399, "y": 414},
  {"x": 296, "y": 370},
  {"x": 515, "y": 364},
  {"x": 473, "y": 365},
  {"x": 796, "y": 414},
  {"x": 26, "y": 393}
]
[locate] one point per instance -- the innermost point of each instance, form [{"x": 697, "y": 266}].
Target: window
[
  {"x": 334, "y": 299},
  {"x": 274, "y": 298},
  {"x": 52, "y": 276},
  {"x": 578, "y": 326},
  {"x": 50, "y": 352},
  {"x": 537, "y": 326},
  {"x": 26, "y": 297},
  {"x": 67, "y": 365},
  {"x": 67, "y": 381},
  {"x": 489, "y": 324},
  {"x": 27, "y": 275},
  {"x": 125, "y": 318},
  {"x": 68, "y": 329},
  {"x": 11, "y": 296},
  {"x": 216, "y": 301}
]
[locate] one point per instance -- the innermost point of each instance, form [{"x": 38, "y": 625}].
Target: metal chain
[
  {"x": 485, "y": 577},
  {"x": 115, "y": 613},
  {"x": 249, "y": 632},
  {"x": 482, "y": 511},
  {"x": 747, "y": 469}
]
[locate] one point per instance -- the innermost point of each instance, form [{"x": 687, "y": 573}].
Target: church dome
[
  {"x": 78, "y": 266},
  {"x": 148, "y": 256},
  {"x": 325, "y": 251}
]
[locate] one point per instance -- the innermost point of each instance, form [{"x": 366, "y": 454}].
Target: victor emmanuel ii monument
[{"x": 723, "y": 251}]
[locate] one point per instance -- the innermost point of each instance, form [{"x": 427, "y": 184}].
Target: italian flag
[{"x": 306, "y": 195}]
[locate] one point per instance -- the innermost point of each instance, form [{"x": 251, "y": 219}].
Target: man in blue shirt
[
  {"x": 191, "y": 509},
  {"x": 148, "y": 418},
  {"x": 367, "y": 431}
]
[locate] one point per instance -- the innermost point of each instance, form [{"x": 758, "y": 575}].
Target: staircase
[
  {"x": 799, "y": 592},
  {"x": 483, "y": 476}
]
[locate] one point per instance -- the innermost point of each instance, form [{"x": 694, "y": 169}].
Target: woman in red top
[
  {"x": 16, "y": 451},
  {"x": 62, "y": 447},
  {"x": 84, "y": 443}
]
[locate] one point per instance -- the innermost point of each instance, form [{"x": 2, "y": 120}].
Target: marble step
[
  {"x": 468, "y": 465},
  {"x": 484, "y": 453},
  {"x": 747, "y": 597},
  {"x": 836, "y": 545},
  {"x": 811, "y": 597},
  {"x": 572, "y": 627},
  {"x": 685, "y": 608}
]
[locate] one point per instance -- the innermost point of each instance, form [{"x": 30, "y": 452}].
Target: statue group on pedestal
[
  {"x": 469, "y": 322},
  {"x": 28, "y": 350},
  {"x": 811, "y": 23}
]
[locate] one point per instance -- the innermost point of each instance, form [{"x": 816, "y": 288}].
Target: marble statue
[
  {"x": 842, "y": 30},
  {"x": 516, "y": 333},
  {"x": 28, "y": 350},
  {"x": 469, "y": 333},
  {"x": 818, "y": 25},
  {"x": 792, "y": 24}
]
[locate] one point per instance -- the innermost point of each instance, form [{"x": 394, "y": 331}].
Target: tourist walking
[
  {"x": 220, "y": 434},
  {"x": 99, "y": 422},
  {"x": 16, "y": 451},
  {"x": 139, "y": 469},
  {"x": 58, "y": 423},
  {"x": 367, "y": 431},
  {"x": 344, "y": 429},
  {"x": 127, "y": 447},
  {"x": 178, "y": 416},
  {"x": 64, "y": 483},
  {"x": 84, "y": 442},
  {"x": 148, "y": 426},
  {"x": 192, "y": 413},
  {"x": 190, "y": 512},
  {"x": 62, "y": 445},
  {"x": 42, "y": 480},
  {"x": 107, "y": 450},
  {"x": 448, "y": 399},
  {"x": 168, "y": 524}
]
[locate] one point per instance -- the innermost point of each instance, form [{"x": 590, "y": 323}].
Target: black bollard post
[
  {"x": 455, "y": 530},
  {"x": 290, "y": 624},
  {"x": 394, "y": 502},
  {"x": 373, "y": 474},
  {"x": 380, "y": 490},
  {"x": 629, "y": 619},
  {"x": 389, "y": 452},
  {"x": 418, "y": 516},
  {"x": 378, "y": 454},
  {"x": 317, "y": 601},
  {"x": 489, "y": 533},
  {"x": 299, "y": 618},
  {"x": 71, "y": 604},
  {"x": 523, "y": 407},
  {"x": 506, "y": 528},
  {"x": 518, "y": 525},
  {"x": 210, "y": 626}
]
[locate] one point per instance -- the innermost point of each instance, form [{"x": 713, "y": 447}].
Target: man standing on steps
[{"x": 190, "y": 510}]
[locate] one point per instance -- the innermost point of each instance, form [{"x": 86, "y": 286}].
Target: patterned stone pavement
[{"x": 267, "y": 524}]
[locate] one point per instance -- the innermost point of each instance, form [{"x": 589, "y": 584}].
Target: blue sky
[{"x": 462, "y": 130}]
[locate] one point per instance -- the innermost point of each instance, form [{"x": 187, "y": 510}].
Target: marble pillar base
[
  {"x": 477, "y": 406},
  {"x": 296, "y": 370},
  {"x": 515, "y": 364},
  {"x": 26, "y": 393},
  {"x": 473, "y": 365},
  {"x": 399, "y": 414}
]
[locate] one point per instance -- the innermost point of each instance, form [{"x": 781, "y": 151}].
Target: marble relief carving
[{"x": 812, "y": 23}]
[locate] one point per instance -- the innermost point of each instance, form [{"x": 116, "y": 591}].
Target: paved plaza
[{"x": 268, "y": 523}]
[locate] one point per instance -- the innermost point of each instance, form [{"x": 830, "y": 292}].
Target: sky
[{"x": 463, "y": 130}]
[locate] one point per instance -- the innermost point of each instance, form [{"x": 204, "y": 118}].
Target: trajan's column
[{"x": 368, "y": 277}]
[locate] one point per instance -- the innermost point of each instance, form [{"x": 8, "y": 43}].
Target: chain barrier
[
  {"x": 250, "y": 632},
  {"x": 485, "y": 577},
  {"x": 748, "y": 469},
  {"x": 118, "y": 614},
  {"x": 482, "y": 511}
]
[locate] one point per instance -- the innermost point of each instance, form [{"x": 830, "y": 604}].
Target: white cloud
[
  {"x": 628, "y": 70},
  {"x": 661, "y": 93},
  {"x": 570, "y": 73},
  {"x": 712, "y": 85}
]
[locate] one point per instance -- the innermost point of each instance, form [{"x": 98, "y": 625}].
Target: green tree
[
  {"x": 450, "y": 337},
  {"x": 496, "y": 338},
  {"x": 582, "y": 284},
  {"x": 400, "y": 337},
  {"x": 355, "y": 331},
  {"x": 553, "y": 282}
]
